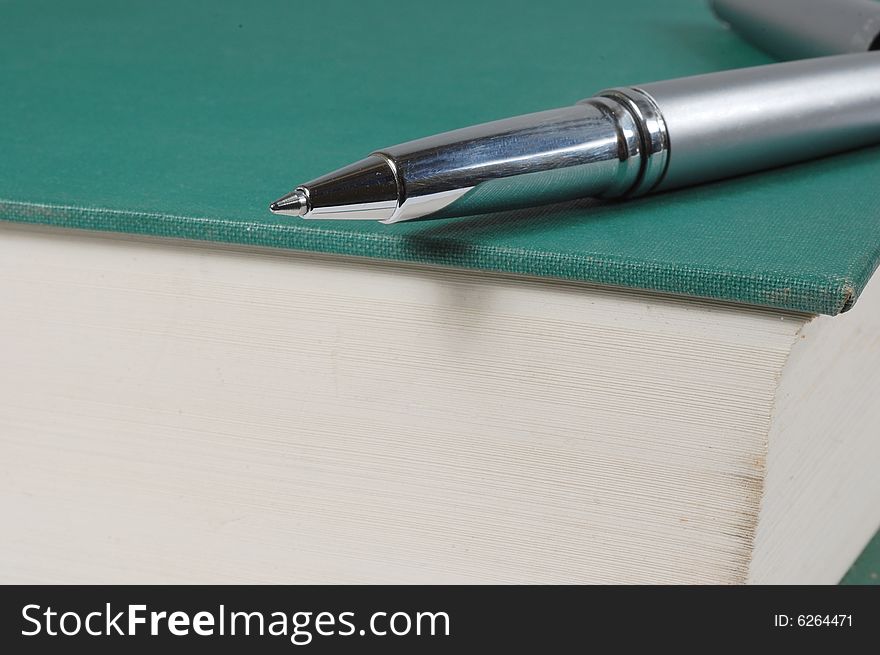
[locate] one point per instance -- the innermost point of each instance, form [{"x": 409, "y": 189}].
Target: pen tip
[{"x": 295, "y": 203}]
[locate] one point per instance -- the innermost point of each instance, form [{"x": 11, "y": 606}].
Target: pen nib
[{"x": 295, "y": 203}]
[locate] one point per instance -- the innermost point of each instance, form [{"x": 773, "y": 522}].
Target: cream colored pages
[{"x": 173, "y": 412}]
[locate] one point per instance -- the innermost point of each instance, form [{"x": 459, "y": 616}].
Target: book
[{"x": 585, "y": 392}]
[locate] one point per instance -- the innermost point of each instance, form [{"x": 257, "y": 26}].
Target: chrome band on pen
[{"x": 653, "y": 131}]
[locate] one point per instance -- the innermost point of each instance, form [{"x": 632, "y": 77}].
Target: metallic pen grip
[{"x": 599, "y": 147}]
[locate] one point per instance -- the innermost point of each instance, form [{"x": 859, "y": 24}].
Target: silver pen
[{"x": 623, "y": 142}]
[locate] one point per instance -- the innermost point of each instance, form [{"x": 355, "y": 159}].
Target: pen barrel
[{"x": 739, "y": 121}]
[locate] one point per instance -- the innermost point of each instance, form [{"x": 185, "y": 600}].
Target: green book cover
[{"x": 186, "y": 119}]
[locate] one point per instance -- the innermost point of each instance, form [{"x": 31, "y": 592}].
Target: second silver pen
[{"x": 625, "y": 141}]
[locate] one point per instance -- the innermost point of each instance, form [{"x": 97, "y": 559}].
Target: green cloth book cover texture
[{"x": 185, "y": 119}]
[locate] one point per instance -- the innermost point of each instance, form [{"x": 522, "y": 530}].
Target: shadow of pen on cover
[
  {"x": 452, "y": 240},
  {"x": 446, "y": 239}
]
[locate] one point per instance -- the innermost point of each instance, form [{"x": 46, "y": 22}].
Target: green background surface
[{"x": 185, "y": 118}]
